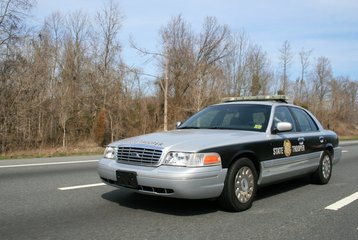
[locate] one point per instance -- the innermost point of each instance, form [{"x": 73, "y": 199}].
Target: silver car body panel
[
  {"x": 190, "y": 183},
  {"x": 191, "y": 140},
  {"x": 287, "y": 167}
]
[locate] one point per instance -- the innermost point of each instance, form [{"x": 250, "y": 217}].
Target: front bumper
[{"x": 171, "y": 181}]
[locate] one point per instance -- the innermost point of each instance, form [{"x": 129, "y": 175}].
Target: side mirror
[
  {"x": 283, "y": 127},
  {"x": 178, "y": 124}
]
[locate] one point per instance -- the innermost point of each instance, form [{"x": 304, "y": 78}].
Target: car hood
[{"x": 190, "y": 140}]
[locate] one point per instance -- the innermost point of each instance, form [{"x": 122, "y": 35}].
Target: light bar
[{"x": 278, "y": 98}]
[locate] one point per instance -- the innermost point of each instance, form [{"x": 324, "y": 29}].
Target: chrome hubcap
[
  {"x": 244, "y": 184},
  {"x": 326, "y": 167}
]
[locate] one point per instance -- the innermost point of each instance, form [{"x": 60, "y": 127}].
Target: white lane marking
[
  {"x": 47, "y": 164},
  {"x": 82, "y": 186},
  {"x": 344, "y": 202},
  {"x": 344, "y": 151}
]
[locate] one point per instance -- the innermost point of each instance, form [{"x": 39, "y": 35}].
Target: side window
[
  {"x": 282, "y": 114},
  {"x": 304, "y": 120}
]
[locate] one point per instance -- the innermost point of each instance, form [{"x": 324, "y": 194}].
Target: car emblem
[
  {"x": 135, "y": 154},
  {"x": 287, "y": 148}
]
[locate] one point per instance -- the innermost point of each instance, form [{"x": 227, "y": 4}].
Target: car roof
[
  {"x": 269, "y": 100},
  {"x": 267, "y": 103}
]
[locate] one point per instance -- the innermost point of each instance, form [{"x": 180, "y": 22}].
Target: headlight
[
  {"x": 110, "y": 152},
  {"x": 192, "y": 159}
]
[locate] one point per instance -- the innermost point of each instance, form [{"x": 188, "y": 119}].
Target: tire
[
  {"x": 240, "y": 186},
  {"x": 324, "y": 171}
]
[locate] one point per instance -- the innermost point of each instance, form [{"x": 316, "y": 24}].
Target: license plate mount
[{"x": 127, "y": 179}]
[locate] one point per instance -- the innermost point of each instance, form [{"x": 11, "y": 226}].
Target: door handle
[{"x": 301, "y": 140}]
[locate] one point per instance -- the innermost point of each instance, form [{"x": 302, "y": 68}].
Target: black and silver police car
[{"x": 225, "y": 151}]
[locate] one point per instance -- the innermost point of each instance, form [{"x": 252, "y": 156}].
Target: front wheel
[
  {"x": 240, "y": 186},
  {"x": 324, "y": 171}
]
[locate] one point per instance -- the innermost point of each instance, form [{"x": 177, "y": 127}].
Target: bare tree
[
  {"x": 109, "y": 22},
  {"x": 322, "y": 74},
  {"x": 178, "y": 65},
  {"x": 12, "y": 65},
  {"x": 258, "y": 71},
  {"x": 190, "y": 65},
  {"x": 50, "y": 44},
  {"x": 304, "y": 62},
  {"x": 176, "y": 60},
  {"x": 53, "y": 27},
  {"x": 69, "y": 89},
  {"x": 161, "y": 81},
  {"x": 12, "y": 16},
  {"x": 286, "y": 58},
  {"x": 235, "y": 65},
  {"x": 213, "y": 46}
]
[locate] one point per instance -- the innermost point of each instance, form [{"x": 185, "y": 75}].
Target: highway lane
[{"x": 33, "y": 207}]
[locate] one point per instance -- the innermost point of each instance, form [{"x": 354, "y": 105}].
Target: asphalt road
[{"x": 33, "y": 207}]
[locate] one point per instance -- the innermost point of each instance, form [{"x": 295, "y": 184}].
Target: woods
[{"x": 67, "y": 82}]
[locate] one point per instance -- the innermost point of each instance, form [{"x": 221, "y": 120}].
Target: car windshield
[{"x": 249, "y": 117}]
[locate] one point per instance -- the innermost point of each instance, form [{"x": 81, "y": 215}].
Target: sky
[{"x": 327, "y": 27}]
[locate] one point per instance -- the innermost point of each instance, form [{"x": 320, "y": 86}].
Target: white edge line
[
  {"x": 344, "y": 151},
  {"x": 82, "y": 186},
  {"x": 343, "y": 202},
  {"x": 47, "y": 164}
]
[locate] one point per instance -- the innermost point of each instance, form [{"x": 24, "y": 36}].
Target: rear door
[
  {"x": 310, "y": 134},
  {"x": 296, "y": 152}
]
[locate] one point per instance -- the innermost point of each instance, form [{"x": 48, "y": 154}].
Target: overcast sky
[{"x": 328, "y": 27}]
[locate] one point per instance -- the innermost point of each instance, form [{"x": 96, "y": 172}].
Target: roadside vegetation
[
  {"x": 77, "y": 149},
  {"x": 66, "y": 83}
]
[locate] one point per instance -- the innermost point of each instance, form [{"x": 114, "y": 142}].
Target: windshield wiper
[
  {"x": 223, "y": 128},
  {"x": 189, "y": 127}
]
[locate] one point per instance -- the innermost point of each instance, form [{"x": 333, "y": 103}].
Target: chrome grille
[{"x": 139, "y": 156}]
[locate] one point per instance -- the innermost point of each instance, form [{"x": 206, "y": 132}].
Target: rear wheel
[
  {"x": 324, "y": 171},
  {"x": 240, "y": 186}
]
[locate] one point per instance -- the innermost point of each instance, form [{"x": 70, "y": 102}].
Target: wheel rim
[
  {"x": 326, "y": 167},
  {"x": 244, "y": 184}
]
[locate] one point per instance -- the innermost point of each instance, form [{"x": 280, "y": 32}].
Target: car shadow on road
[
  {"x": 186, "y": 207},
  {"x": 173, "y": 206},
  {"x": 282, "y": 187}
]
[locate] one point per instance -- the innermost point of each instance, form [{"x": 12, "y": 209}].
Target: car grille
[{"x": 139, "y": 156}]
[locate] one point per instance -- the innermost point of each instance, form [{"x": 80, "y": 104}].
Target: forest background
[{"x": 67, "y": 87}]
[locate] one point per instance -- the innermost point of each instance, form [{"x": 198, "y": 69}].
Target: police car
[{"x": 225, "y": 151}]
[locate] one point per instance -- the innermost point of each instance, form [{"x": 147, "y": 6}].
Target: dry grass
[
  {"x": 84, "y": 148},
  {"x": 346, "y": 131},
  {"x": 347, "y": 138}
]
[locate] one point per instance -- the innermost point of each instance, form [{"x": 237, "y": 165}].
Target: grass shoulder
[
  {"x": 76, "y": 150},
  {"x": 348, "y": 138}
]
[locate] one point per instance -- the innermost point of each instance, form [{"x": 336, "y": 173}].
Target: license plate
[{"x": 127, "y": 179}]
